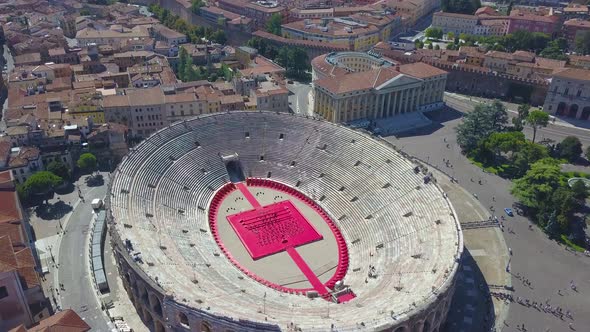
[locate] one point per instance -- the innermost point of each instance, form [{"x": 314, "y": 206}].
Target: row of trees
[
  {"x": 194, "y": 32},
  {"x": 537, "y": 42},
  {"x": 486, "y": 136},
  {"x": 460, "y": 6},
  {"x": 44, "y": 182},
  {"x": 186, "y": 71},
  {"x": 294, "y": 59}
]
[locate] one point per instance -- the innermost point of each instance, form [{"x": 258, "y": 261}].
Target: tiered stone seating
[{"x": 162, "y": 194}]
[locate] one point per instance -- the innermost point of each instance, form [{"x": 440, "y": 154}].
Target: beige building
[
  {"x": 569, "y": 94},
  {"x": 456, "y": 23},
  {"x": 351, "y": 86},
  {"x": 115, "y": 36},
  {"x": 357, "y": 32}
]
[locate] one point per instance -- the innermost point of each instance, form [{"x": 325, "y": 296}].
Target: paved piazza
[
  {"x": 332, "y": 229},
  {"x": 548, "y": 266}
]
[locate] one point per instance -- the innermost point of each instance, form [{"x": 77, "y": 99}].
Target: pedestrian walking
[{"x": 510, "y": 251}]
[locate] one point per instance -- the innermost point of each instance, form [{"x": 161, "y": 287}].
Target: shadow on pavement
[
  {"x": 53, "y": 211},
  {"x": 65, "y": 189},
  {"x": 472, "y": 308},
  {"x": 438, "y": 118}
]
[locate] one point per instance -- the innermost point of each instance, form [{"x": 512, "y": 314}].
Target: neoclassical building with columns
[
  {"x": 569, "y": 94},
  {"x": 351, "y": 86}
]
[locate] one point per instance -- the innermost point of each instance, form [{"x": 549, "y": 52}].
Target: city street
[
  {"x": 548, "y": 266},
  {"x": 555, "y": 131},
  {"x": 299, "y": 99},
  {"x": 69, "y": 282}
]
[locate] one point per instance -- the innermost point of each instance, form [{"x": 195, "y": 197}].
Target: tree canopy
[
  {"x": 194, "y": 32},
  {"x": 583, "y": 43},
  {"x": 295, "y": 61},
  {"x": 435, "y": 33},
  {"x": 273, "y": 25},
  {"x": 481, "y": 123},
  {"x": 537, "y": 119},
  {"x": 460, "y": 6},
  {"x": 570, "y": 148},
  {"x": 58, "y": 168},
  {"x": 87, "y": 162},
  {"x": 555, "y": 49},
  {"x": 39, "y": 183},
  {"x": 537, "y": 185},
  {"x": 196, "y": 6}
]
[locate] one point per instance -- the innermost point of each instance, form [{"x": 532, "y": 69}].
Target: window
[
  {"x": 3, "y": 292},
  {"x": 566, "y": 92}
]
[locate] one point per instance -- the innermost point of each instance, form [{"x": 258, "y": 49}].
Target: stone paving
[{"x": 546, "y": 264}]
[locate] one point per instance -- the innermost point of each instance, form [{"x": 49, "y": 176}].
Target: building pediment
[{"x": 399, "y": 81}]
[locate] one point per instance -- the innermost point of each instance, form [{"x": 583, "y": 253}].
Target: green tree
[
  {"x": 196, "y": 6},
  {"x": 460, "y": 6},
  {"x": 583, "y": 43},
  {"x": 570, "y": 148},
  {"x": 536, "y": 187},
  {"x": 273, "y": 25},
  {"x": 587, "y": 154},
  {"x": 87, "y": 162},
  {"x": 523, "y": 113},
  {"x": 553, "y": 227},
  {"x": 528, "y": 153},
  {"x": 85, "y": 12},
  {"x": 58, "y": 168},
  {"x": 419, "y": 44},
  {"x": 451, "y": 35},
  {"x": 481, "y": 123},
  {"x": 182, "y": 58},
  {"x": 537, "y": 119},
  {"x": 509, "y": 9},
  {"x": 555, "y": 49},
  {"x": 40, "y": 183},
  {"x": 435, "y": 33},
  {"x": 580, "y": 190},
  {"x": 218, "y": 37},
  {"x": 430, "y": 46}
]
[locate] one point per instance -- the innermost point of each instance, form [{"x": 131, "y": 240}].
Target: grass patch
[
  {"x": 489, "y": 169},
  {"x": 570, "y": 244}
]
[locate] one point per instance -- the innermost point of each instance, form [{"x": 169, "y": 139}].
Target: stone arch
[
  {"x": 159, "y": 327},
  {"x": 155, "y": 304},
  {"x": 148, "y": 319},
  {"x": 183, "y": 319},
  {"x": 205, "y": 326},
  {"x": 143, "y": 295},
  {"x": 561, "y": 108},
  {"x": 573, "y": 111},
  {"x": 585, "y": 113},
  {"x": 418, "y": 327}
]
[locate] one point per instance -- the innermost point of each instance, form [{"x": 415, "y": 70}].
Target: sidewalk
[
  {"x": 484, "y": 265},
  {"x": 512, "y": 108}
]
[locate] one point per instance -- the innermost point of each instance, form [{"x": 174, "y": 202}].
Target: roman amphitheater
[{"x": 259, "y": 221}]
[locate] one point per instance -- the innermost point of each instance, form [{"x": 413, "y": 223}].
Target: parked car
[{"x": 509, "y": 212}]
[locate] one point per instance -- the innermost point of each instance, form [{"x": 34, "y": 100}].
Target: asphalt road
[
  {"x": 554, "y": 132},
  {"x": 299, "y": 100},
  {"x": 74, "y": 266},
  {"x": 547, "y": 265}
]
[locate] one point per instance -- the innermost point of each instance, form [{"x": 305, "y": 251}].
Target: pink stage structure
[{"x": 278, "y": 227}]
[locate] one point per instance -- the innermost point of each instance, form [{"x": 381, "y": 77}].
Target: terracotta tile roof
[
  {"x": 357, "y": 81},
  {"x": 573, "y": 73},
  {"x": 5, "y": 177},
  {"x": 63, "y": 321},
  {"x": 464, "y": 16},
  {"x": 500, "y": 55},
  {"x": 549, "y": 63},
  {"x": 576, "y": 22},
  {"x": 420, "y": 70},
  {"x": 4, "y": 149},
  {"x": 25, "y": 155}
]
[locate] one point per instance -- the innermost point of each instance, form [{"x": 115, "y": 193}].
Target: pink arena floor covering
[{"x": 278, "y": 227}]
